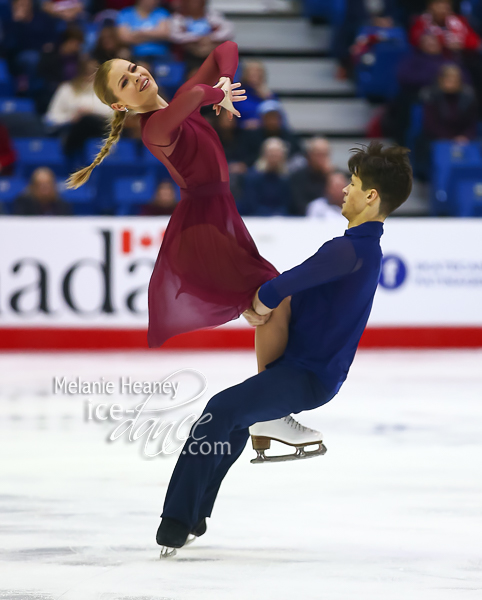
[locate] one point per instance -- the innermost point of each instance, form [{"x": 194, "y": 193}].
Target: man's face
[{"x": 356, "y": 199}]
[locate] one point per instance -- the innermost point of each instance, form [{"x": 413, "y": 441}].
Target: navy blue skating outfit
[{"x": 331, "y": 298}]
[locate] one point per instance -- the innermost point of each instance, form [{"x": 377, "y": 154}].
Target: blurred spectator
[
  {"x": 453, "y": 31},
  {"x": 145, "y": 27},
  {"x": 329, "y": 207},
  {"x": 109, "y": 45},
  {"x": 65, "y": 10},
  {"x": 458, "y": 39},
  {"x": 267, "y": 189},
  {"x": 309, "y": 182},
  {"x": 26, "y": 30},
  {"x": 41, "y": 197},
  {"x": 231, "y": 138},
  {"x": 450, "y": 108},
  {"x": 450, "y": 113},
  {"x": 60, "y": 63},
  {"x": 417, "y": 70},
  {"x": 254, "y": 82},
  {"x": 379, "y": 13},
  {"x": 272, "y": 125},
  {"x": 75, "y": 110},
  {"x": 8, "y": 155},
  {"x": 198, "y": 30},
  {"x": 164, "y": 201}
]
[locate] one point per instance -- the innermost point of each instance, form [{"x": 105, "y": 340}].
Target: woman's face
[{"x": 133, "y": 86}]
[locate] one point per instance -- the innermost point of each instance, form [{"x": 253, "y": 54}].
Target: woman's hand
[
  {"x": 232, "y": 94},
  {"x": 254, "y": 319}
]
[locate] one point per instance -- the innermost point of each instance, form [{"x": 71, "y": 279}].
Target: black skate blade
[{"x": 298, "y": 455}]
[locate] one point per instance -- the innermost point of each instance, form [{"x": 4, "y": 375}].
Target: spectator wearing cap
[
  {"x": 329, "y": 207},
  {"x": 254, "y": 81},
  {"x": 41, "y": 198},
  {"x": 145, "y": 28},
  {"x": 163, "y": 203},
  {"x": 272, "y": 125},
  {"x": 309, "y": 182},
  {"x": 197, "y": 30},
  {"x": 267, "y": 191}
]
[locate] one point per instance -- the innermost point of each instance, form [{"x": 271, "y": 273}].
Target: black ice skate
[
  {"x": 289, "y": 432},
  {"x": 171, "y": 535}
]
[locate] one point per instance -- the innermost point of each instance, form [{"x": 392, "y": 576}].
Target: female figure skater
[{"x": 208, "y": 268}]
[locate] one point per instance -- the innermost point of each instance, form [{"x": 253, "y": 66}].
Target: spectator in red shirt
[{"x": 453, "y": 31}]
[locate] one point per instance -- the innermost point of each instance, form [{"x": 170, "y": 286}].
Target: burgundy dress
[{"x": 208, "y": 268}]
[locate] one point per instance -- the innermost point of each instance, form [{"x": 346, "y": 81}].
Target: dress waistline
[{"x": 207, "y": 189}]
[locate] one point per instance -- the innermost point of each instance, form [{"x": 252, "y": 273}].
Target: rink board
[{"x": 81, "y": 283}]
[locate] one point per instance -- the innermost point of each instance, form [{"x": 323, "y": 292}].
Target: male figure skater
[{"x": 331, "y": 298}]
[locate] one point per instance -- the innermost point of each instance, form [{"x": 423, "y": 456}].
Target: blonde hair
[{"x": 105, "y": 95}]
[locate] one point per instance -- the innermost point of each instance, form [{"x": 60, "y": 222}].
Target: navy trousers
[{"x": 221, "y": 433}]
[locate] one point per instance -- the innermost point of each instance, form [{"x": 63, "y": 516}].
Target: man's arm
[{"x": 334, "y": 260}]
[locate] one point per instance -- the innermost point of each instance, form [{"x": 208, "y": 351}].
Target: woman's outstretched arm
[{"x": 222, "y": 62}]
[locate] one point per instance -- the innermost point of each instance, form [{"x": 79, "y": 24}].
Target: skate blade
[
  {"x": 167, "y": 552},
  {"x": 300, "y": 454}
]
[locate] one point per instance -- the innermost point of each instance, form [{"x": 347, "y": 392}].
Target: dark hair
[{"x": 386, "y": 170}]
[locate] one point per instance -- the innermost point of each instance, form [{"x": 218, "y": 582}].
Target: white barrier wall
[{"x": 93, "y": 272}]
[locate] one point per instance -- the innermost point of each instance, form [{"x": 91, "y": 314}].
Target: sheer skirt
[{"x": 208, "y": 268}]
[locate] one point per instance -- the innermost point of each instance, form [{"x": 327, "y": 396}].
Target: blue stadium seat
[
  {"x": 10, "y": 188},
  {"x": 465, "y": 190},
  {"x": 332, "y": 10},
  {"x": 376, "y": 73},
  {"x": 169, "y": 74},
  {"x": 39, "y": 152},
  {"x": 123, "y": 160},
  {"x": 16, "y": 105},
  {"x": 447, "y": 155},
  {"x": 130, "y": 193},
  {"x": 6, "y": 82},
  {"x": 83, "y": 199},
  {"x": 416, "y": 126}
]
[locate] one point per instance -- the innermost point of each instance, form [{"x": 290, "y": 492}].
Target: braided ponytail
[{"x": 104, "y": 93}]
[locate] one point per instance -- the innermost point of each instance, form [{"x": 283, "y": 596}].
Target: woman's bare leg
[{"x": 272, "y": 337}]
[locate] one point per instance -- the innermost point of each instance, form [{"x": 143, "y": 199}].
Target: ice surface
[{"x": 392, "y": 511}]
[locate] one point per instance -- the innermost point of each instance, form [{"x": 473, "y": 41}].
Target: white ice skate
[
  {"x": 287, "y": 431},
  {"x": 167, "y": 552}
]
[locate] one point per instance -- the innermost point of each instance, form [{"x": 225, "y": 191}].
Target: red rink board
[{"x": 224, "y": 339}]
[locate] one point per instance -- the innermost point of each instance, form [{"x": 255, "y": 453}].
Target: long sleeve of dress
[
  {"x": 196, "y": 92},
  {"x": 162, "y": 123},
  {"x": 334, "y": 260}
]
